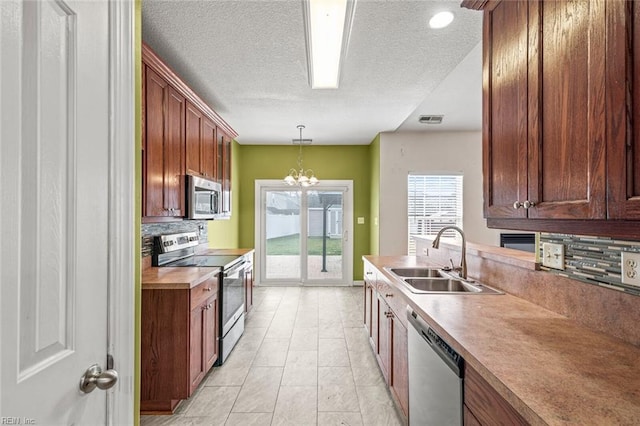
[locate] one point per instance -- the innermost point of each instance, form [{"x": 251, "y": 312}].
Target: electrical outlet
[
  {"x": 630, "y": 268},
  {"x": 553, "y": 255}
]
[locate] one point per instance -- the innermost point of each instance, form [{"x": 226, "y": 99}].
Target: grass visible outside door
[{"x": 290, "y": 245}]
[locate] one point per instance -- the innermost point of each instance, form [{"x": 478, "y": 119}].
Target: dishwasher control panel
[{"x": 444, "y": 346}]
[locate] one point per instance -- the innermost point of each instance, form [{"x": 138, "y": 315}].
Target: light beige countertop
[
  {"x": 175, "y": 278},
  {"x": 549, "y": 368}
]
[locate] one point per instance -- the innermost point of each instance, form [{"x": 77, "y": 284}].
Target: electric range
[{"x": 178, "y": 250}]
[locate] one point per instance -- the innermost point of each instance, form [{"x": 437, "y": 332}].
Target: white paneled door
[{"x": 66, "y": 212}]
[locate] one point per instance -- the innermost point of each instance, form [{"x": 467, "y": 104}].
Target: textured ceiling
[{"x": 247, "y": 60}]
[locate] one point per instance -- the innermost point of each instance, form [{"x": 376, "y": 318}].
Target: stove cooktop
[{"x": 221, "y": 261}]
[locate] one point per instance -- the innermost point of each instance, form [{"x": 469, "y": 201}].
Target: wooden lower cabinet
[
  {"x": 483, "y": 406},
  {"x": 204, "y": 340},
  {"x": 400, "y": 365},
  {"x": 179, "y": 343},
  {"x": 371, "y": 314},
  {"x": 388, "y": 337},
  {"x": 385, "y": 343}
]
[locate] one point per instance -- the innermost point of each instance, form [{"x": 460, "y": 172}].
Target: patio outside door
[{"x": 304, "y": 234}]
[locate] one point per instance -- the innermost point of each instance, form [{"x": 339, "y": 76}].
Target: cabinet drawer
[
  {"x": 203, "y": 291},
  {"x": 394, "y": 299}
]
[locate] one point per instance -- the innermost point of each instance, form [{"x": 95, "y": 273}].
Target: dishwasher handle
[{"x": 452, "y": 358}]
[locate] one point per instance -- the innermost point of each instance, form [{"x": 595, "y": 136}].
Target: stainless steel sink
[
  {"x": 441, "y": 285},
  {"x": 446, "y": 285},
  {"x": 416, "y": 272},
  {"x": 424, "y": 280}
]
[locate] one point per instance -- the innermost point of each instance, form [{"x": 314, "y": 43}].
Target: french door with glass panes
[{"x": 303, "y": 235}]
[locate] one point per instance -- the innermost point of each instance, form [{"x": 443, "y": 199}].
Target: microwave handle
[{"x": 214, "y": 202}]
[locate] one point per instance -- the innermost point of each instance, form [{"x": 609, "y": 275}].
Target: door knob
[
  {"x": 95, "y": 377},
  {"x": 517, "y": 205},
  {"x": 527, "y": 204}
]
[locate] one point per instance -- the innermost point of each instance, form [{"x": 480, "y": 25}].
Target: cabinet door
[
  {"x": 384, "y": 339},
  {"x": 486, "y": 405},
  {"x": 504, "y": 85},
  {"x": 400, "y": 365},
  {"x": 368, "y": 293},
  {"x": 208, "y": 148},
  {"x": 210, "y": 336},
  {"x": 197, "y": 364},
  {"x": 193, "y": 125},
  {"x": 566, "y": 109},
  {"x": 623, "y": 109},
  {"x": 174, "y": 182},
  {"x": 226, "y": 176},
  {"x": 156, "y": 90}
]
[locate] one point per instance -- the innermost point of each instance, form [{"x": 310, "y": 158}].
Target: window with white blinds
[{"x": 434, "y": 201}]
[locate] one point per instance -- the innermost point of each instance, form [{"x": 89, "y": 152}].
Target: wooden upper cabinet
[
  {"x": 180, "y": 136},
  {"x": 164, "y": 147},
  {"x": 200, "y": 140},
  {"x": 623, "y": 109},
  {"x": 193, "y": 138},
  {"x": 505, "y": 161},
  {"x": 544, "y": 109},
  {"x": 223, "y": 169},
  {"x": 566, "y": 109},
  {"x": 209, "y": 148}
]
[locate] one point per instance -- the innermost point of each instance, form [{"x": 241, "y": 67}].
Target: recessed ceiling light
[{"x": 441, "y": 20}]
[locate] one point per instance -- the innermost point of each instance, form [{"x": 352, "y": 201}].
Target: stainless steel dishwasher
[{"x": 435, "y": 377}]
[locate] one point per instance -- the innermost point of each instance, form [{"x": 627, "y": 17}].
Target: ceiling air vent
[{"x": 431, "y": 119}]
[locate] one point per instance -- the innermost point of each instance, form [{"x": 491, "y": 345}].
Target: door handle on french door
[{"x": 95, "y": 377}]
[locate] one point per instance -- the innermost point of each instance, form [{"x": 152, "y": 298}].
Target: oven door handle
[{"x": 234, "y": 269}]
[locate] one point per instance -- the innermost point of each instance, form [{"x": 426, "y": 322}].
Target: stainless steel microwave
[{"x": 203, "y": 198}]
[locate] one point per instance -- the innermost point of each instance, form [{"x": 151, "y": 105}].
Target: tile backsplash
[
  {"x": 593, "y": 260},
  {"x": 150, "y": 230}
]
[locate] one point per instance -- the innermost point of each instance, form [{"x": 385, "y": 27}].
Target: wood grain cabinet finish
[
  {"x": 181, "y": 135},
  {"x": 371, "y": 306},
  {"x": 164, "y": 148},
  {"x": 223, "y": 147},
  {"x": 179, "y": 343},
  {"x": 623, "y": 109},
  {"x": 384, "y": 318},
  {"x": 544, "y": 135},
  {"x": 484, "y": 406},
  {"x": 505, "y": 160},
  {"x": 204, "y": 340},
  {"x": 200, "y": 143},
  {"x": 561, "y": 112},
  {"x": 400, "y": 364}
]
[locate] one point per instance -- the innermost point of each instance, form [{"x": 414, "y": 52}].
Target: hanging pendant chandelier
[{"x": 300, "y": 176}]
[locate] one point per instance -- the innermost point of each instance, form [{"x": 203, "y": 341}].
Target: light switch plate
[
  {"x": 361, "y": 221},
  {"x": 631, "y": 268},
  {"x": 553, "y": 255}
]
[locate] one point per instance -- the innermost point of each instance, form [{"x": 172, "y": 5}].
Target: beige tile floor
[{"x": 304, "y": 359}]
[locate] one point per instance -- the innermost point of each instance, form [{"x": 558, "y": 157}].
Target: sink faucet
[{"x": 463, "y": 256}]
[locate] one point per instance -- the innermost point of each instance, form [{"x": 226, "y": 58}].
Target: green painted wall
[
  {"x": 374, "y": 194},
  {"x": 328, "y": 162},
  {"x": 224, "y": 233}
]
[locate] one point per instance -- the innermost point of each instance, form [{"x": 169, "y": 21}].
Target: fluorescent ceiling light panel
[
  {"x": 328, "y": 26},
  {"x": 441, "y": 20}
]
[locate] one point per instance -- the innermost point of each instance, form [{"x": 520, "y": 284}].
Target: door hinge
[{"x": 110, "y": 362}]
